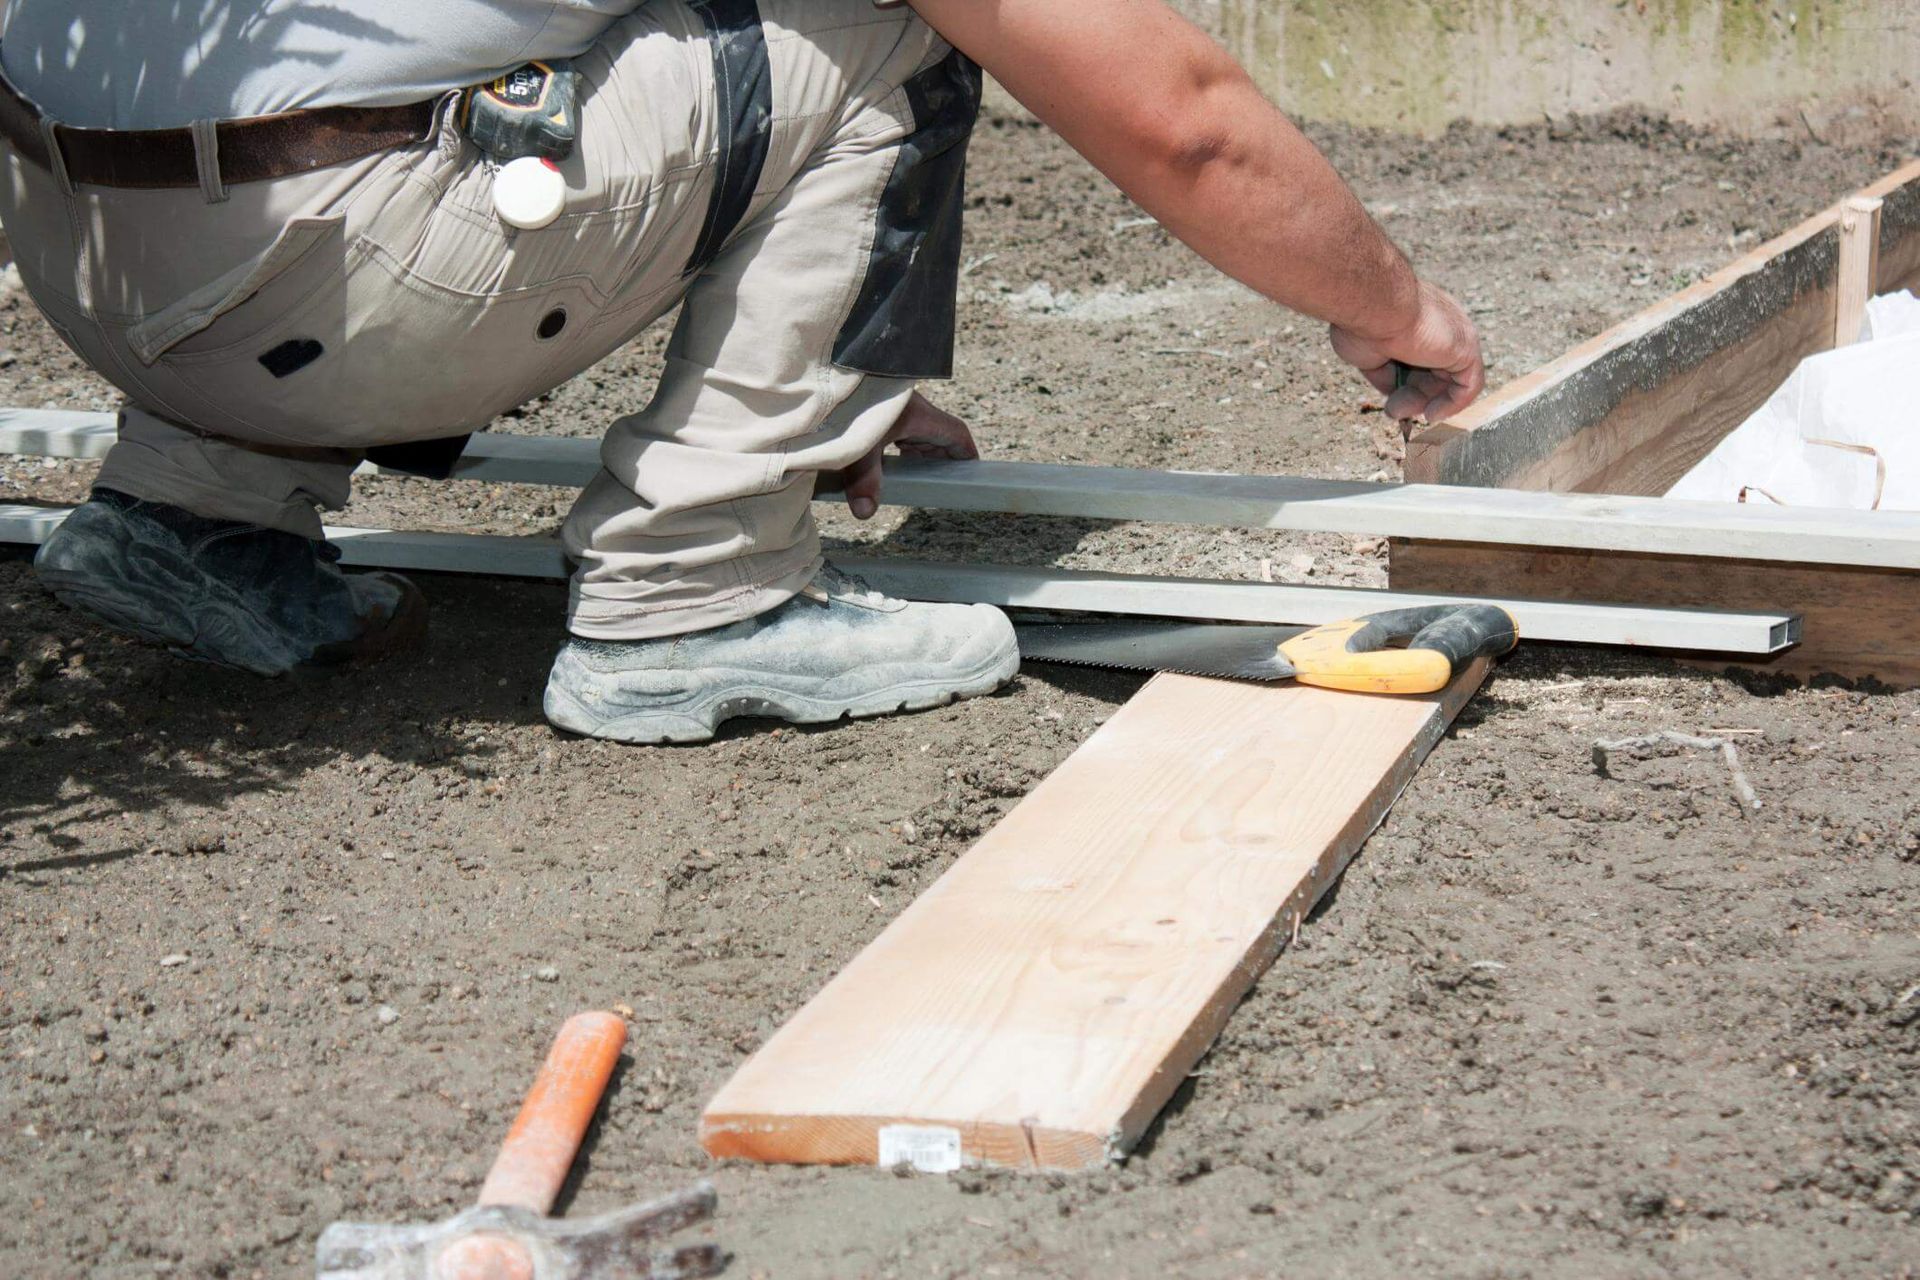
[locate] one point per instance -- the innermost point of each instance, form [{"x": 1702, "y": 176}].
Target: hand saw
[{"x": 1356, "y": 655}]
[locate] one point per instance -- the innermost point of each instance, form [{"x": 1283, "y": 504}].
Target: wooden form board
[
  {"x": 1038, "y": 1005},
  {"x": 1083, "y": 591},
  {"x": 1854, "y": 622},
  {"x": 1631, "y": 411},
  {"x": 1896, "y": 263}
]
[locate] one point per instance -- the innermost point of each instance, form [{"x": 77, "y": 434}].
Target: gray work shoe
[
  {"x": 837, "y": 649},
  {"x": 261, "y": 600}
]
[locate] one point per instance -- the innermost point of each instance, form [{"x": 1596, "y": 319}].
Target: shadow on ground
[{"x": 92, "y": 725}]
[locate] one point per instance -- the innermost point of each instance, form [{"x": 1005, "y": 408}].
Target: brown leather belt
[{"x": 250, "y": 150}]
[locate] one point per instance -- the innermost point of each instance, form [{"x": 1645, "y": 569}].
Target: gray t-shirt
[{"x": 160, "y": 64}]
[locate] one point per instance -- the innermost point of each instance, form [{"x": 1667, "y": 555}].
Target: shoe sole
[
  {"x": 187, "y": 636},
  {"x": 165, "y": 618},
  {"x": 155, "y": 623},
  {"x": 700, "y": 721}
]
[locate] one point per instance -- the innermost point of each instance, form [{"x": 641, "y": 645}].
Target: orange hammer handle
[{"x": 533, "y": 1161}]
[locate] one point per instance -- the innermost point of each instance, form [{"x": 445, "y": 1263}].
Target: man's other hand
[
  {"x": 921, "y": 431},
  {"x": 1441, "y": 346}
]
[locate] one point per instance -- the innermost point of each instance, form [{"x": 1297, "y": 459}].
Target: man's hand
[
  {"x": 1441, "y": 347},
  {"x": 921, "y": 431}
]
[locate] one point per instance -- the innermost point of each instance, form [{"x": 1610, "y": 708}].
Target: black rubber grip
[{"x": 1460, "y": 631}]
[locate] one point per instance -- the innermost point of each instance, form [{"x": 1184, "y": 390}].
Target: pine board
[{"x": 1045, "y": 997}]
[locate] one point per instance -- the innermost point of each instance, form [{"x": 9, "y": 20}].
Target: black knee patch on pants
[{"x": 902, "y": 322}]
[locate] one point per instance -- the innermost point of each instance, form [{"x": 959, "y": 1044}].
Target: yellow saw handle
[{"x": 1356, "y": 655}]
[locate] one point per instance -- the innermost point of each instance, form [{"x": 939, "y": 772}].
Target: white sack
[
  {"x": 1864, "y": 394},
  {"x": 1890, "y": 315}
]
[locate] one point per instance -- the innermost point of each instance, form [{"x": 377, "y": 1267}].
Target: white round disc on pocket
[{"x": 529, "y": 193}]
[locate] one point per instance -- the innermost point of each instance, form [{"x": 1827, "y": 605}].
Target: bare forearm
[
  {"x": 1173, "y": 120},
  {"x": 1265, "y": 207},
  {"x": 1186, "y": 134}
]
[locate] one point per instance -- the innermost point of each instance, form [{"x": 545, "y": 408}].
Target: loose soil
[{"x": 280, "y": 953}]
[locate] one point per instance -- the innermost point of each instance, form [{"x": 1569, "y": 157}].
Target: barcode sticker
[{"x": 925, "y": 1148}]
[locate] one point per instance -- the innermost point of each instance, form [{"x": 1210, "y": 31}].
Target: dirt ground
[{"x": 280, "y": 953}]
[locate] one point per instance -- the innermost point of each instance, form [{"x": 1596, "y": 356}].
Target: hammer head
[{"x": 512, "y": 1242}]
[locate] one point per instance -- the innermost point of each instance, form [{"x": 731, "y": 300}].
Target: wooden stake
[{"x": 1859, "y": 263}]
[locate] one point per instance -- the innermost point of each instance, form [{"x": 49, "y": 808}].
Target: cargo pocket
[
  {"x": 457, "y": 358},
  {"x": 902, "y": 320}
]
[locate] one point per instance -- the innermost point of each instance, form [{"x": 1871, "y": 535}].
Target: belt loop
[
  {"x": 56, "y": 158},
  {"x": 445, "y": 133},
  {"x": 206, "y": 159}
]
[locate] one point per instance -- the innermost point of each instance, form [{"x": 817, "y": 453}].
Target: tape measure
[{"x": 529, "y": 111}]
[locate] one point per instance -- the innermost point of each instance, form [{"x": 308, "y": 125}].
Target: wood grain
[
  {"x": 1655, "y": 436},
  {"x": 1694, "y": 386},
  {"x": 1855, "y": 622},
  {"x": 1859, "y": 247},
  {"x": 1046, "y": 996}
]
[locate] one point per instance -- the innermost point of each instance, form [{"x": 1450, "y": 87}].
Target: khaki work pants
[{"x": 790, "y": 171}]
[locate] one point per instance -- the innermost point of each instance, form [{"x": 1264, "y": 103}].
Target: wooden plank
[
  {"x": 1859, "y": 246},
  {"x": 1856, "y": 619},
  {"x": 1079, "y": 590},
  {"x": 1855, "y": 622},
  {"x": 1631, "y": 410},
  {"x": 1040, "y": 1002}
]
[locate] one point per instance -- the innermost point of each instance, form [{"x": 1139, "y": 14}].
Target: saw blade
[{"x": 1199, "y": 649}]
